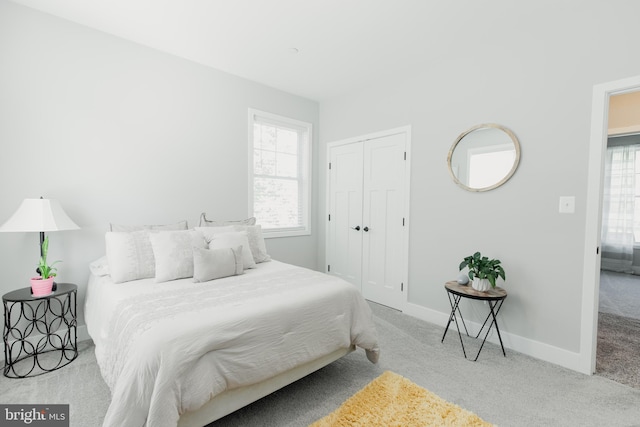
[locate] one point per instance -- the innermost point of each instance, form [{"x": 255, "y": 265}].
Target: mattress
[{"x": 167, "y": 348}]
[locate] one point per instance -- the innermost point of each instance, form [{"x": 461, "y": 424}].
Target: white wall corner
[{"x": 536, "y": 349}]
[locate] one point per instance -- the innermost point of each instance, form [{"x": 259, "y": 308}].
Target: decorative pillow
[
  {"x": 254, "y": 236},
  {"x": 130, "y": 255},
  {"x": 182, "y": 225},
  {"x": 256, "y": 242},
  {"x": 232, "y": 240},
  {"x": 209, "y": 232},
  {"x": 173, "y": 252},
  {"x": 100, "y": 267},
  {"x": 204, "y": 222},
  {"x": 210, "y": 264}
]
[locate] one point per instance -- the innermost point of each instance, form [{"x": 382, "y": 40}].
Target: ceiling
[{"x": 317, "y": 49}]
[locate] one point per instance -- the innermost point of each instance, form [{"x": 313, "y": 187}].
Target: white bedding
[{"x": 167, "y": 348}]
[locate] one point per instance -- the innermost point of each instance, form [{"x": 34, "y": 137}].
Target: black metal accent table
[
  {"x": 494, "y": 297},
  {"x": 35, "y": 326}
]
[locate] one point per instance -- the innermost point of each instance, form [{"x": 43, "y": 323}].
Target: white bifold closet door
[{"x": 366, "y": 216}]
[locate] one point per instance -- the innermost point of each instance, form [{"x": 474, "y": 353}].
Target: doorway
[
  {"x": 367, "y": 202},
  {"x": 619, "y": 291},
  {"x": 592, "y": 256}
]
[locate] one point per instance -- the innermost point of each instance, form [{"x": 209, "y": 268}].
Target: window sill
[{"x": 285, "y": 233}]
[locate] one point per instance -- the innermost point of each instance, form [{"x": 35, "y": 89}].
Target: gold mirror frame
[{"x": 516, "y": 161}]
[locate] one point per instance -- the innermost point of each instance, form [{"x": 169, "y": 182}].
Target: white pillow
[
  {"x": 254, "y": 236},
  {"x": 130, "y": 255},
  {"x": 173, "y": 252},
  {"x": 256, "y": 242},
  {"x": 182, "y": 225},
  {"x": 100, "y": 267},
  {"x": 209, "y": 232},
  {"x": 210, "y": 264},
  {"x": 232, "y": 240}
]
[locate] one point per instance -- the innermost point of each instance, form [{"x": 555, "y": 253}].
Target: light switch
[{"x": 567, "y": 204}]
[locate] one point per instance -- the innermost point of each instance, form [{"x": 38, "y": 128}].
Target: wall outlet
[{"x": 567, "y": 204}]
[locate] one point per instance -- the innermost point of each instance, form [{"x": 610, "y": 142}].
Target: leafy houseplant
[
  {"x": 43, "y": 285},
  {"x": 483, "y": 268},
  {"x": 46, "y": 271}
]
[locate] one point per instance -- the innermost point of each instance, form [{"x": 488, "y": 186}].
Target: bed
[{"x": 181, "y": 352}]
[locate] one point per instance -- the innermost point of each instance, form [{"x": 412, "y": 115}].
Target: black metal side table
[
  {"x": 39, "y": 332},
  {"x": 494, "y": 297}
]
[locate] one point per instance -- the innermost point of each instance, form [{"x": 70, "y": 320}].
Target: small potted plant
[
  {"x": 43, "y": 285},
  {"x": 483, "y": 271}
]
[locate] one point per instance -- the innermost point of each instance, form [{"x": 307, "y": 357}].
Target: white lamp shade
[{"x": 39, "y": 215}]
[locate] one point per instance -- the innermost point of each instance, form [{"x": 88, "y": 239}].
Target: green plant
[
  {"x": 45, "y": 269},
  {"x": 483, "y": 268}
]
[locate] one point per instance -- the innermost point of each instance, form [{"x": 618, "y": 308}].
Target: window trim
[{"x": 257, "y": 116}]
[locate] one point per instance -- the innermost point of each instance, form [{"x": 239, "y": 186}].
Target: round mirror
[{"x": 484, "y": 157}]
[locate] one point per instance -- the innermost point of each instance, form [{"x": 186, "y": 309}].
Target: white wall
[
  {"x": 120, "y": 133},
  {"x": 541, "y": 89}
]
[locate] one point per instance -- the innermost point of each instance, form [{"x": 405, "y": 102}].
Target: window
[
  {"x": 623, "y": 190},
  {"x": 279, "y": 174},
  {"x": 636, "y": 192},
  {"x": 619, "y": 208}
]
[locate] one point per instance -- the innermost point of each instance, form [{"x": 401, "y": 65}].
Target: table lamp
[{"x": 39, "y": 215}]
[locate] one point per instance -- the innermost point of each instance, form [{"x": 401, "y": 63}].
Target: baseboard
[
  {"x": 81, "y": 334},
  {"x": 542, "y": 351}
]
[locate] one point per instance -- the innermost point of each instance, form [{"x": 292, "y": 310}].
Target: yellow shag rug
[{"x": 392, "y": 400}]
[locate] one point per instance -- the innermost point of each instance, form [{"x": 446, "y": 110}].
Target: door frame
[
  {"x": 591, "y": 265},
  {"x": 406, "y": 130}
]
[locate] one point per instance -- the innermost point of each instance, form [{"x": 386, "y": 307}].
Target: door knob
[
  {"x": 357, "y": 228},
  {"x": 366, "y": 229}
]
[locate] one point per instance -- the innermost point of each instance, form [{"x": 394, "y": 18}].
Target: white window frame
[{"x": 304, "y": 159}]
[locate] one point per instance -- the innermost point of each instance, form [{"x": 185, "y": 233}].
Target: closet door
[
  {"x": 366, "y": 238},
  {"x": 383, "y": 218},
  {"x": 344, "y": 254}
]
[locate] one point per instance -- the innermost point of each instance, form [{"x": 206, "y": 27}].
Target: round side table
[
  {"x": 40, "y": 333},
  {"x": 494, "y": 298}
]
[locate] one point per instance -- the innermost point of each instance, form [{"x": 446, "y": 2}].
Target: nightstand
[
  {"x": 494, "y": 298},
  {"x": 40, "y": 333}
]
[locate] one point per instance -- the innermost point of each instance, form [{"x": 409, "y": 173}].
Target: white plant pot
[{"x": 481, "y": 285}]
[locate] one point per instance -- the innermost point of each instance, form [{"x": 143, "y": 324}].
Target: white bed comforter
[{"x": 166, "y": 348}]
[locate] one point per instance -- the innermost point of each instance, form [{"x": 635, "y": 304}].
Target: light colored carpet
[
  {"x": 516, "y": 390},
  {"x": 393, "y": 400},
  {"x": 618, "y": 349},
  {"x": 78, "y": 384},
  {"x": 619, "y": 328}
]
